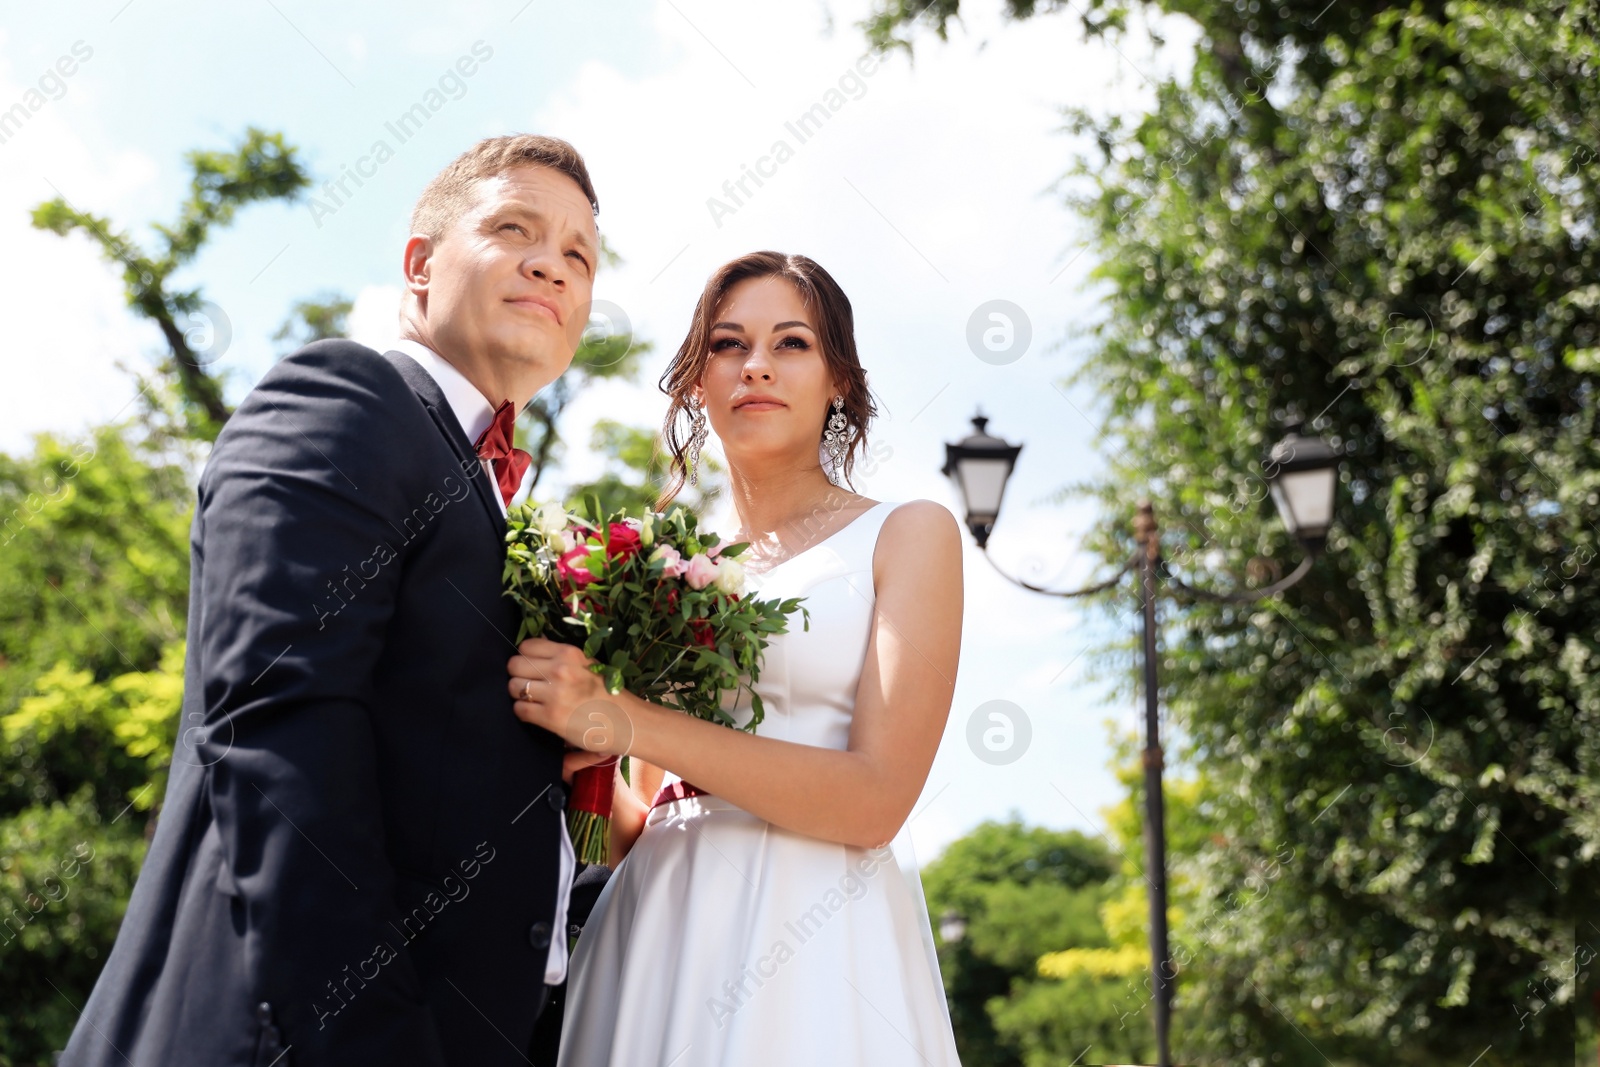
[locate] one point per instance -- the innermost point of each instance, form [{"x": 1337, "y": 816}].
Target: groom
[{"x": 362, "y": 856}]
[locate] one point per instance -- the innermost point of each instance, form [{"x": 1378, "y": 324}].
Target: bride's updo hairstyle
[{"x": 835, "y": 327}]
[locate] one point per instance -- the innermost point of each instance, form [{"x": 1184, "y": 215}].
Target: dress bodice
[{"x": 809, "y": 677}]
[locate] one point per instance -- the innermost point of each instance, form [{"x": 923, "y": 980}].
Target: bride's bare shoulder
[
  {"x": 922, "y": 515},
  {"x": 919, "y": 538}
]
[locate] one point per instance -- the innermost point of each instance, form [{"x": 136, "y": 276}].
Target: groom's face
[{"x": 510, "y": 282}]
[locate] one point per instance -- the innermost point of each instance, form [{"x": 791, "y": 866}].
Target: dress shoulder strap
[{"x": 863, "y": 533}]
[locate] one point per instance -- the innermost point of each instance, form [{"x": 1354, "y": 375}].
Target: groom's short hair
[{"x": 450, "y": 191}]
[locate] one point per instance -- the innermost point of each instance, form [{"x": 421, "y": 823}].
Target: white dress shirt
[{"x": 474, "y": 412}]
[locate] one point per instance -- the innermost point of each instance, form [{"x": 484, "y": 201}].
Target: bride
[{"x": 759, "y": 915}]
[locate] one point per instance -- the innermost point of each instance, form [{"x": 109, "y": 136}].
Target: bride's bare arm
[
  {"x": 631, "y": 805},
  {"x": 858, "y": 796},
  {"x": 645, "y": 778}
]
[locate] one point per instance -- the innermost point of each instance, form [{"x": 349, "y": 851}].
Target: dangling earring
[
  {"x": 697, "y": 437},
  {"x": 834, "y": 437}
]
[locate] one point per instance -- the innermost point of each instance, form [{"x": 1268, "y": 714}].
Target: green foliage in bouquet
[
  {"x": 657, "y": 604},
  {"x": 628, "y": 592}
]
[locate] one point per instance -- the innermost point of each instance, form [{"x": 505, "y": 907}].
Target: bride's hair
[{"x": 836, "y": 331}]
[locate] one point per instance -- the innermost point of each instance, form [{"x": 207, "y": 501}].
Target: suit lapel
[{"x": 432, "y": 398}]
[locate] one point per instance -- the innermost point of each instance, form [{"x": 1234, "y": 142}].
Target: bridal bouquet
[{"x": 658, "y": 605}]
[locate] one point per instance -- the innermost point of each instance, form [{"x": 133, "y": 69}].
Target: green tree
[
  {"x": 66, "y": 869},
  {"x": 326, "y": 315},
  {"x": 1381, "y": 219},
  {"x": 1022, "y": 892},
  {"x": 262, "y": 167},
  {"x": 94, "y": 577},
  {"x": 636, "y": 469}
]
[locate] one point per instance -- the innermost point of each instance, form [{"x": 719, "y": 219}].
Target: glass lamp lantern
[
  {"x": 1304, "y": 475},
  {"x": 980, "y": 464}
]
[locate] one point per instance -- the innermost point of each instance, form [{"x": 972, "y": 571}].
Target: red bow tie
[{"x": 494, "y": 445}]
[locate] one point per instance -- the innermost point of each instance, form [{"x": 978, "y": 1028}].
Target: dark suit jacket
[
  {"x": 357, "y": 856},
  {"x": 586, "y": 887}
]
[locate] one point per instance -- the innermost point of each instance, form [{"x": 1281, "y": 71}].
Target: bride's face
[{"x": 766, "y": 387}]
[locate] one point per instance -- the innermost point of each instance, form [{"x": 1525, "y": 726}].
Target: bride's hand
[
  {"x": 577, "y": 759},
  {"x": 552, "y": 686}
]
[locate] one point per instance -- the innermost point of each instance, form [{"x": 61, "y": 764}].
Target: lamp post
[
  {"x": 952, "y": 926},
  {"x": 1302, "y": 474}
]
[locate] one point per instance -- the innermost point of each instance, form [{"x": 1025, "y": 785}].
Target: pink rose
[
  {"x": 714, "y": 550},
  {"x": 572, "y": 574},
  {"x": 675, "y": 565},
  {"x": 701, "y": 571}
]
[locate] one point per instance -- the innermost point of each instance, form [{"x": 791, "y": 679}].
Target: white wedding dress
[{"x": 723, "y": 941}]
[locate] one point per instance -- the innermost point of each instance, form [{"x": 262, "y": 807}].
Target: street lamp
[
  {"x": 1302, "y": 474},
  {"x": 952, "y": 926},
  {"x": 980, "y": 464}
]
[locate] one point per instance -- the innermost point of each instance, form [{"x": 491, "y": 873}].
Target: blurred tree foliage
[
  {"x": 94, "y": 575},
  {"x": 316, "y": 319},
  {"x": 1021, "y": 891},
  {"x": 1380, "y": 218},
  {"x": 262, "y": 167},
  {"x": 636, "y": 468}
]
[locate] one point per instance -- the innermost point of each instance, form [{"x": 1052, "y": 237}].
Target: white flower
[
  {"x": 552, "y": 520},
  {"x": 730, "y": 576},
  {"x": 542, "y": 565},
  {"x": 549, "y": 517}
]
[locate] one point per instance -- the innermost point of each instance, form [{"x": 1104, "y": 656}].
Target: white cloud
[
  {"x": 375, "y": 316},
  {"x": 67, "y": 321}
]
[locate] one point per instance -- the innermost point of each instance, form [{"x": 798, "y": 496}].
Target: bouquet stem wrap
[{"x": 589, "y": 811}]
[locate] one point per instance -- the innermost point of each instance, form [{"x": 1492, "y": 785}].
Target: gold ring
[{"x": 527, "y": 686}]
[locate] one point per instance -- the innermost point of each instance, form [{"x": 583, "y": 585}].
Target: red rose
[
  {"x": 701, "y": 629},
  {"x": 624, "y": 540}
]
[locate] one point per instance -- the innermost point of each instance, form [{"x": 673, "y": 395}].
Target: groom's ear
[{"x": 418, "y": 263}]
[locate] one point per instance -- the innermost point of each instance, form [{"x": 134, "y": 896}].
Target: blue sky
[{"x": 928, "y": 191}]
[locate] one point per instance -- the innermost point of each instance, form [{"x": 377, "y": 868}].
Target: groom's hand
[{"x": 552, "y": 686}]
